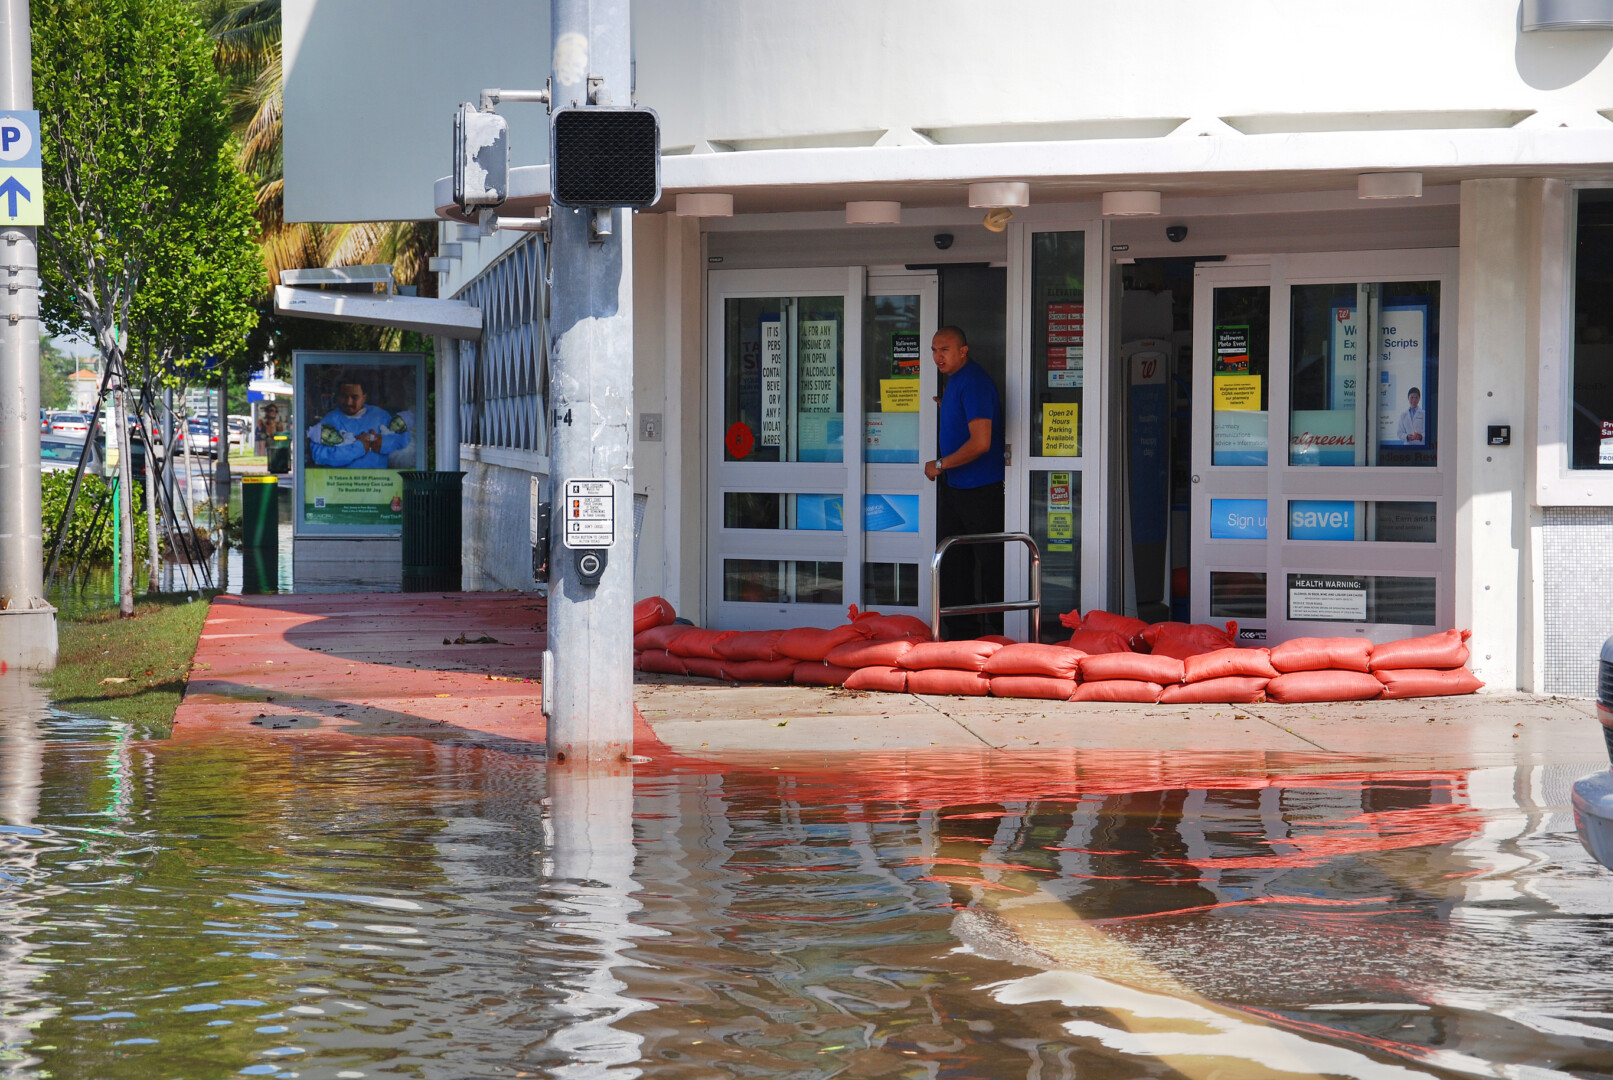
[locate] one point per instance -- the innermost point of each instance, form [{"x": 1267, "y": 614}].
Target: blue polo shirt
[{"x": 971, "y": 395}]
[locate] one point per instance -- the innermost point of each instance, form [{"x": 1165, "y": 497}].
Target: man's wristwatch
[{"x": 939, "y": 467}]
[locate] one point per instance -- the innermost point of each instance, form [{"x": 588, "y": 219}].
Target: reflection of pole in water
[
  {"x": 22, "y": 755},
  {"x": 591, "y": 815}
]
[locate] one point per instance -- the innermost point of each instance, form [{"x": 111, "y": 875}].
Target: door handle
[{"x": 1008, "y": 454}]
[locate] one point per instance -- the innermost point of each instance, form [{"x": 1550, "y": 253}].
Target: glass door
[
  {"x": 785, "y": 371},
  {"x": 1323, "y": 501},
  {"x": 1057, "y": 423},
  {"x": 899, "y": 417}
]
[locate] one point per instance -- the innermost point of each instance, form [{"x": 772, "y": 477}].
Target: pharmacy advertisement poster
[
  {"x": 1344, "y": 357},
  {"x": 1403, "y": 376},
  {"x": 1060, "y": 512},
  {"x": 1321, "y": 437},
  {"x": 360, "y": 420},
  {"x": 905, "y": 357},
  {"x": 1238, "y": 437},
  {"x": 1060, "y": 420}
]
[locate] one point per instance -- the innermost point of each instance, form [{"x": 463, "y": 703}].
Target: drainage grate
[{"x": 606, "y": 157}]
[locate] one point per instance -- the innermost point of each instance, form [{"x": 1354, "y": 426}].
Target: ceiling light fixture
[
  {"x": 1002, "y": 193},
  {"x": 704, "y": 204},
  {"x": 1130, "y": 203},
  {"x": 873, "y": 213},
  {"x": 1389, "y": 185}
]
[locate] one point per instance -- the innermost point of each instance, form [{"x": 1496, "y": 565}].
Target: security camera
[
  {"x": 1176, "y": 233},
  {"x": 943, "y": 240}
]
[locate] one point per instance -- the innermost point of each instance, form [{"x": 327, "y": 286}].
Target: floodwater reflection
[{"x": 337, "y": 907}]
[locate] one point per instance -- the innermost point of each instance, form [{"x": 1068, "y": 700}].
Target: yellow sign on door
[
  {"x": 898, "y": 395},
  {"x": 1237, "y": 393},
  {"x": 1060, "y": 427}
]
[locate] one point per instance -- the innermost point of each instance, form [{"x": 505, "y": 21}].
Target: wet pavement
[{"x": 340, "y": 898}]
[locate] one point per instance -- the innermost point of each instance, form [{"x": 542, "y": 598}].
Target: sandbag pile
[{"x": 1107, "y": 657}]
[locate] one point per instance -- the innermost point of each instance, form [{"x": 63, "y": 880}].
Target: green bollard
[{"x": 260, "y": 512}]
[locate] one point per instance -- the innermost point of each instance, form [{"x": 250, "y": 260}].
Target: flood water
[{"x": 308, "y": 907}]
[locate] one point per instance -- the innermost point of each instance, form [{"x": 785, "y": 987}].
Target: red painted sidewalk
[{"x": 371, "y": 663}]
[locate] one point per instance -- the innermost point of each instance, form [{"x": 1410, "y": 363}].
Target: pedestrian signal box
[{"x": 602, "y": 156}]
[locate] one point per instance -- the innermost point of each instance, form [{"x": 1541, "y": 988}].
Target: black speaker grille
[
  {"x": 1604, "y": 684},
  {"x": 606, "y": 157}
]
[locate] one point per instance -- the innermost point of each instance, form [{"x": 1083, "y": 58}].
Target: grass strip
[{"x": 132, "y": 670}]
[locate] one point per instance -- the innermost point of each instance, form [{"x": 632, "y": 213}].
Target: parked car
[
  {"x": 201, "y": 438},
  {"x": 70, "y": 424},
  {"x": 58, "y": 453},
  {"x": 240, "y": 432}
]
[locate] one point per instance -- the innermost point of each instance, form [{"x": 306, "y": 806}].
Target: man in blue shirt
[
  {"x": 969, "y": 472},
  {"x": 360, "y": 436}
]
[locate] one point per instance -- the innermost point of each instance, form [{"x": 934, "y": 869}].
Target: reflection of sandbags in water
[{"x": 187, "y": 544}]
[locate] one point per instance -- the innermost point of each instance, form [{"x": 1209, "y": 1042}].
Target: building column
[{"x": 1496, "y": 383}]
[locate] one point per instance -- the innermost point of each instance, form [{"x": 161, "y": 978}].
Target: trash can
[
  {"x": 280, "y": 453},
  {"x": 260, "y": 512},
  {"x": 431, "y": 531}
]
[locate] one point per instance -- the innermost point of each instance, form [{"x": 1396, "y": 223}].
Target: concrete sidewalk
[{"x": 390, "y": 663}]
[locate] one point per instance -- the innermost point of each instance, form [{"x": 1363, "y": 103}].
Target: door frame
[
  {"x": 782, "y": 476},
  {"x": 1278, "y": 481},
  {"x": 1092, "y": 463}
]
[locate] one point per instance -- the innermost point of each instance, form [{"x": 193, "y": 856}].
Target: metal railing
[{"x": 1034, "y": 604}]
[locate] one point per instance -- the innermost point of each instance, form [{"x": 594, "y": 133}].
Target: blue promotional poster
[
  {"x": 1318, "y": 519},
  {"x": 1150, "y": 439},
  {"x": 1237, "y": 519},
  {"x": 1402, "y": 418}
]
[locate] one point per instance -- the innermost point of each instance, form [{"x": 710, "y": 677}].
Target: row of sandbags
[{"x": 895, "y": 653}]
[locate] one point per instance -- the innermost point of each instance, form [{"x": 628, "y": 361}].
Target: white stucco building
[{"x": 1212, "y": 202}]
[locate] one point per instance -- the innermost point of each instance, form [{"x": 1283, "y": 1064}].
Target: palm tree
[{"x": 246, "y": 34}]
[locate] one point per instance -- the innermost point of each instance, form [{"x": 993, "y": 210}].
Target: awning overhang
[{"x": 424, "y": 315}]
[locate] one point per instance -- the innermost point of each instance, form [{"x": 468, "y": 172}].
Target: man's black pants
[{"x": 970, "y": 573}]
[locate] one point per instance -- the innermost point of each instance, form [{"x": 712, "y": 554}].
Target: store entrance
[{"x": 1153, "y": 466}]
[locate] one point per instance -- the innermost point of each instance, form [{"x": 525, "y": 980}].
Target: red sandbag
[
  {"x": 955, "y": 655},
  {"x": 1027, "y": 658},
  {"x": 1134, "y": 690},
  {"x": 878, "y": 677},
  {"x": 1124, "y": 625},
  {"x": 1322, "y": 654},
  {"x": 1097, "y": 641},
  {"x": 660, "y": 662},
  {"x": 1304, "y": 686},
  {"x": 1224, "y": 663},
  {"x": 659, "y": 637},
  {"x": 651, "y": 612},
  {"x": 706, "y": 667},
  {"x": 948, "y": 681},
  {"x": 1426, "y": 682},
  {"x": 749, "y": 645},
  {"x": 887, "y": 627},
  {"x": 1045, "y": 687},
  {"x": 1001, "y": 639},
  {"x": 760, "y": 670},
  {"x": 1190, "y": 638},
  {"x": 698, "y": 643},
  {"x": 1231, "y": 690},
  {"x": 863, "y": 653},
  {"x": 1130, "y": 665},
  {"x": 819, "y": 674},
  {"x": 1444, "y": 651},
  {"x": 811, "y": 643}
]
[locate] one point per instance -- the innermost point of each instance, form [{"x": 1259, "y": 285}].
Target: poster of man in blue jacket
[
  {"x": 360, "y": 415},
  {"x": 358, "y": 435}
]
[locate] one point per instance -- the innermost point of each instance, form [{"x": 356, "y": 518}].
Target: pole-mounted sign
[{"x": 22, "y": 195}]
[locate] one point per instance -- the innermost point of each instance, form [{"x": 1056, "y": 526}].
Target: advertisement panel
[
  {"x": 1237, "y": 519},
  {"x": 1403, "y": 376},
  {"x": 360, "y": 421}
]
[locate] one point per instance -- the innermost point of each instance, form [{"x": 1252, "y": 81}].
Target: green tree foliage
[
  {"x": 55, "y": 392},
  {"x": 149, "y": 227},
  {"x": 55, "y": 486}
]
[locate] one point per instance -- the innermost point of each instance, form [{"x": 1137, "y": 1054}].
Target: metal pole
[
  {"x": 447, "y": 404},
  {"x": 589, "y": 677},
  {"x": 27, "y": 621}
]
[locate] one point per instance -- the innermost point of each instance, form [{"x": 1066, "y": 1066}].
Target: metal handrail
[{"x": 1034, "y": 604}]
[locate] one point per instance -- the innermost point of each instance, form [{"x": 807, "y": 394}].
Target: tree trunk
[
  {"x": 153, "y": 560},
  {"x": 126, "y": 504}
]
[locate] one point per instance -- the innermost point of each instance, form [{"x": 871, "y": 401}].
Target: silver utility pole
[
  {"x": 27, "y": 621},
  {"x": 588, "y": 681}
]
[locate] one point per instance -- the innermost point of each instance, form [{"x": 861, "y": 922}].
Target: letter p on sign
[{"x": 22, "y": 195}]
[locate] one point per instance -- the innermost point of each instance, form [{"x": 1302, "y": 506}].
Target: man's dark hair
[
  {"x": 957, "y": 332},
  {"x": 1416, "y": 391},
  {"x": 352, "y": 378}
]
